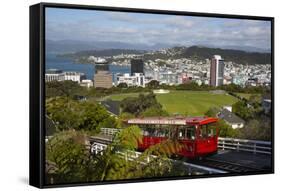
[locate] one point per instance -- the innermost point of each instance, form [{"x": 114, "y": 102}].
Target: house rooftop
[{"x": 230, "y": 117}]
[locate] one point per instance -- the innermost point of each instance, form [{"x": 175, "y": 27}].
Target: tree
[
  {"x": 231, "y": 88},
  {"x": 257, "y": 129},
  {"x": 122, "y": 119},
  {"x": 110, "y": 165},
  {"x": 64, "y": 112},
  {"x": 74, "y": 163},
  {"x": 72, "y": 160},
  {"x": 65, "y": 88},
  {"x": 255, "y": 101},
  {"x": 226, "y": 130},
  {"x": 128, "y": 138},
  {"x": 109, "y": 122},
  {"x": 139, "y": 104},
  {"x": 154, "y": 111},
  {"x": 122, "y": 85},
  {"x": 243, "y": 110},
  {"x": 189, "y": 86},
  {"x": 212, "y": 112},
  {"x": 251, "y": 130},
  {"x": 70, "y": 114},
  {"x": 153, "y": 84},
  {"x": 94, "y": 116}
]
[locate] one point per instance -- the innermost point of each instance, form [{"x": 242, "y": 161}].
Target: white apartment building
[
  {"x": 59, "y": 75},
  {"x": 168, "y": 77},
  {"x": 54, "y": 75},
  {"x": 74, "y": 76},
  {"x": 137, "y": 79},
  {"x": 87, "y": 83}
]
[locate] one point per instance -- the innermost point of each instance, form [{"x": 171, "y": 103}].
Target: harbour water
[{"x": 65, "y": 64}]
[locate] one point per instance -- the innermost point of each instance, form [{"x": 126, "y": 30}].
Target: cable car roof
[{"x": 173, "y": 120}]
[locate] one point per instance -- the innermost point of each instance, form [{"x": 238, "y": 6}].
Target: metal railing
[
  {"x": 253, "y": 146},
  {"x": 109, "y": 131},
  {"x": 204, "y": 169},
  {"x": 98, "y": 148}
]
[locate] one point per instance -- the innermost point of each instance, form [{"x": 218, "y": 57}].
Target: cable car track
[{"x": 226, "y": 166}]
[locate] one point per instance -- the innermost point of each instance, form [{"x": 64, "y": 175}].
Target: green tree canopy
[
  {"x": 122, "y": 85},
  {"x": 67, "y": 150},
  {"x": 137, "y": 105},
  {"x": 66, "y": 88},
  {"x": 153, "y": 84},
  {"x": 71, "y": 114},
  {"x": 243, "y": 110},
  {"x": 154, "y": 111},
  {"x": 74, "y": 163}
]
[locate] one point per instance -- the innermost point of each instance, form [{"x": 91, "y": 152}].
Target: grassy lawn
[{"x": 193, "y": 103}]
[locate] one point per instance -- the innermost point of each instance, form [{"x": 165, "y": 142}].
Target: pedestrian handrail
[
  {"x": 253, "y": 146},
  {"x": 109, "y": 131},
  {"x": 98, "y": 148},
  {"x": 209, "y": 170}
]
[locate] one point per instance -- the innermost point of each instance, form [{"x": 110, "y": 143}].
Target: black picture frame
[{"x": 37, "y": 90}]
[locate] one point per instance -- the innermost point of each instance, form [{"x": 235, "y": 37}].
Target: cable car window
[
  {"x": 186, "y": 133},
  {"x": 159, "y": 133},
  {"x": 181, "y": 133},
  {"x": 145, "y": 133},
  {"x": 203, "y": 131},
  {"x": 212, "y": 128},
  {"x": 190, "y": 133},
  {"x": 164, "y": 132},
  {"x": 210, "y": 132}
]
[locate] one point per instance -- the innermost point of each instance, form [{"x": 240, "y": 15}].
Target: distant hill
[
  {"x": 194, "y": 52},
  {"x": 72, "y": 46},
  {"x": 201, "y": 53},
  {"x": 102, "y": 53},
  {"x": 246, "y": 49}
]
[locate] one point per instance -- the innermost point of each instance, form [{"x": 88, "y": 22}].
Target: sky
[{"x": 151, "y": 29}]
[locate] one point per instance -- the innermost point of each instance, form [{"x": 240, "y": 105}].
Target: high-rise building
[
  {"x": 102, "y": 77},
  {"x": 101, "y": 65},
  {"x": 137, "y": 66},
  {"x": 216, "y": 71},
  {"x": 103, "y": 80}
]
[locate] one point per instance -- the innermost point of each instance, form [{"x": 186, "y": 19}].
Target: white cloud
[{"x": 166, "y": 29}]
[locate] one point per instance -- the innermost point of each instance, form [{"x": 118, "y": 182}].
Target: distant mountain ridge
[
  {"x": 193, "y": 52},
  {"x": 102, "y": 53},
  {"x": 71, "y": 46},
  {"x": 246, "y": 48},
  {"x": 201, "y": 53}
]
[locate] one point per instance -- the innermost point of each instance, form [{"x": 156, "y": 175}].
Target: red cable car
[{"x": 198, "y": 134}]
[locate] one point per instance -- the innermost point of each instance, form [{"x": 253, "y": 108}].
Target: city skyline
[{"x": 151, "y": 29}]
